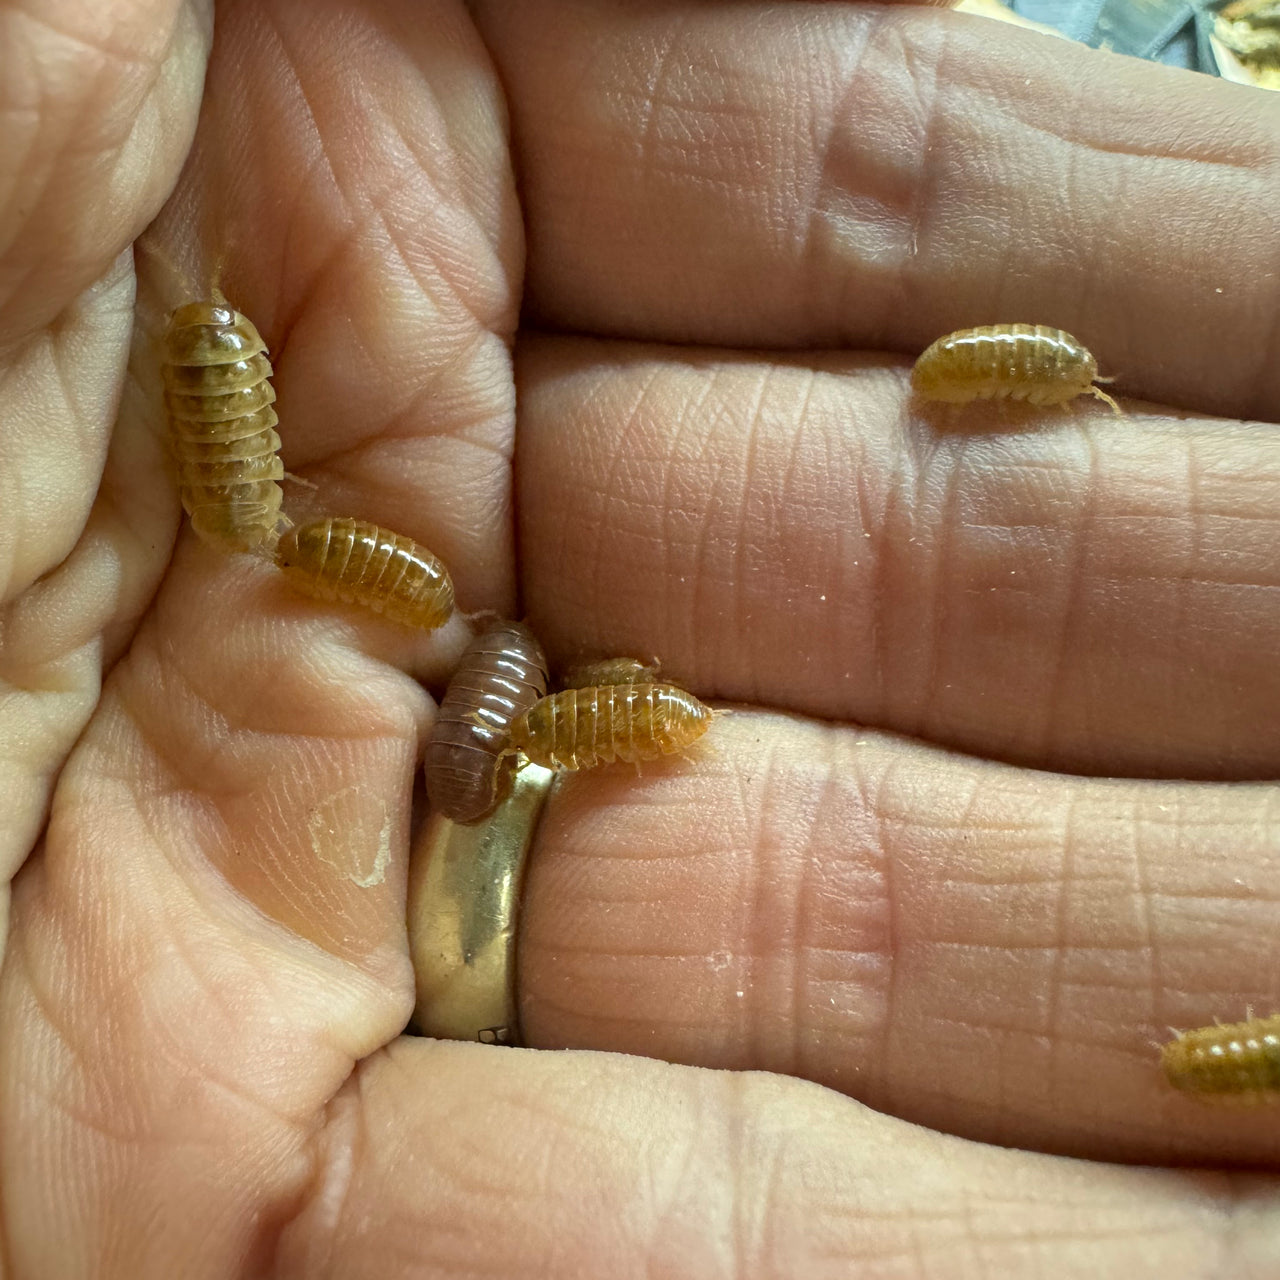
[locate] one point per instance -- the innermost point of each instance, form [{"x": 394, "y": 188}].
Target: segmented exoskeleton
[
  {"x": 222, "y": 426},
  {"x": 1029, "y": 362},
  {"x": 358, "y": 562},
  {"x": 501, "y": 674}
]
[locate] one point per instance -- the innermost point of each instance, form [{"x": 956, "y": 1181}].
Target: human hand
[{"x": 206, "y": 975}]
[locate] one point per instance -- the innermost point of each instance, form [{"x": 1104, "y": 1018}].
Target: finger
[
  {"x": 367, "y": 223},
  {"x": 856, "y": 175},
  {"x": 987, "y": 951},
  {"x": 559, "y": 1165},
  {"x": 1081, "y": 592},
  {"x": 98, "y": 104}
]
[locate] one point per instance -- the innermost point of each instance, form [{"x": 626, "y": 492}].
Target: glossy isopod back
[
  {"x": 1029, "y": 362},
  {"x": 580, "y": 728},
  {"x": 222, "y": 425},
  {"x": 582, "y": 675},
  {"x": 500, "y": 675},
  {"x": 360, "y": 563},
  {"x": 1239, "y": 1062}
]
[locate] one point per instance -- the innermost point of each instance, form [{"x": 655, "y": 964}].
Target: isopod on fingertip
[
  {"x": 222, "y": 426},
  {"x": 1237, "y": 1062},
  {"x": 1031, "y": 362},
  {"x": 500, "y": 675},
  {"x": 361, "y": 563},
  {"x": 581, "y": 728}
]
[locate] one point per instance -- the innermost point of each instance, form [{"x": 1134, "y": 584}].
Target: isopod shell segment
[
  {"x": 358, "y": 562},
  {"x": 609, "y": 671},
  {"x": 1029, "y": 362},
  {"x": 222, "y": 425},
  {"x": 1239, "y": 1062},
  {"x": 581, "y": 728},
  {"x": 501, "y": 674}
]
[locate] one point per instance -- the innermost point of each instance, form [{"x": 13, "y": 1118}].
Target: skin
[{"x": 998, "y": 812}]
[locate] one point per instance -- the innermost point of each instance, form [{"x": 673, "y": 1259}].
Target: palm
[{"x": 207, "y": 971}]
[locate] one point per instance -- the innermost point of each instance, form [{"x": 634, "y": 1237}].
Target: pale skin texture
[{"x": 940, "y": 916}]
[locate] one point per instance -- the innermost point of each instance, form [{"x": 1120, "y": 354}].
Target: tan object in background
[{"x": 1246, "y": 43}]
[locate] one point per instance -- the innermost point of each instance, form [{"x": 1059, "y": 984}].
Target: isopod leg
[{"x": 1102, "y": 395}]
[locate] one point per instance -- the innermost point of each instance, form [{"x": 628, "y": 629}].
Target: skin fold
[{"x": 869, "y": 984}]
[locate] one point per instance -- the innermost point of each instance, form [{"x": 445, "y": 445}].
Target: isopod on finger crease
[
  {"x": 361, "y": 563},
  {"x": 581, "y": 728},
  {"x": 1236, "y": 1062},
  {"x": 222, "y": 426},
  {"x": 1029, "y": 362},
  {"x": 500, "y": 675},
  {"x": 582, "y": 675}
]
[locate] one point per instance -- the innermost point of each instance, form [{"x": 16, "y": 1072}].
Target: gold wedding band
[{"x": 464, "y": 893}]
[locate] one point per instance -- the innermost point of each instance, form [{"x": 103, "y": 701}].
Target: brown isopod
[
  {"x": 1239, "y": 1062},
  {"x": 222, "y": 424},
  {"x": 500, "y": 675},
  {"x": 610, "y": 671},
  {"x": 1029, "y": 362},
  {"x": 581, "y": 728},
  {"x": 358, "y": 562}
]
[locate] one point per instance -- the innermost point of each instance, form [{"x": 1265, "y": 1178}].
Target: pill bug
[
  {"x": 580, "y": 728},
  {"x": 1029, "y": 362},
  {"x": 500, "y": 675},
  {"x": 582, "y": 675},
  {"x": 358, "y": 562},
  {"x": 222, "y": 426},
  {"x": 1239, "y": 1062}
]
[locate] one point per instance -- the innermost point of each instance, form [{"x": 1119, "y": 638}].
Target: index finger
[{"x": 838, "y": 174}]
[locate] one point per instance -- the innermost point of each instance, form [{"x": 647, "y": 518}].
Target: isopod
[
  {"x": 218, "y": 393},
  {"x": 1029, "y": 362},
  {"x": 609, "y": 671},
  {"x": 580, "y": 728},
  {"x": 500, "y": 675},
  {"x": 1239, "y": 1062},
  {"x": 358, "y": 562}
]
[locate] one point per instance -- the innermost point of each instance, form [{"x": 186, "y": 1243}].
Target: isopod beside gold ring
[{"x": 464, "y": 898}]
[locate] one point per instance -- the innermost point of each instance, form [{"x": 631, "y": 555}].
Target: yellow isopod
[
  {"x": 1029, "y": 362},
  {"x": 358, "y": 562},
  {"x": 1239, "y": 1062},
  {"x": 580, "y": 728},
  {"x": 222, "y": 425}
]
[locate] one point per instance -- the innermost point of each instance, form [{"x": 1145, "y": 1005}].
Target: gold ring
[{"x": 464, "y": 892}]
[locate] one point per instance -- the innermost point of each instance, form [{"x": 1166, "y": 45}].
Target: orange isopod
[
  {"x": 1029, "y": 362},
  {"x": 500, "y": 675},
  {"x": 222, "y": 424},
  {"x": 1239, "y": 1062},
  {"x": 581, "y": 728},
  {"x": 358, "y": 562}
]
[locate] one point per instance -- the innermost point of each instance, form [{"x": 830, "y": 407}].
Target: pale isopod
[
  {"x": 501, "y": 674},
  {"x": 580, "y": 728},
  {"x": 1239, "y": 1062},
  {"x": 358, "y": 562},
  {"x": 1029, "y": 362},
  {"x": 222, "y": 423},
  {"x": 609, "y": 671}
]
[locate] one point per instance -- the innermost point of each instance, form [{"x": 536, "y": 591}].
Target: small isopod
[
  {"x": 580, "y": 728},
  {"x": 1029, "y": 362},
  {"x": 1239, "y": 1062},
  {"x": 359, "y": 562},
  {"x": 500, "y": 675},
  {"x": 222, "y": 424},
  {"x": 609, "y": 671}
]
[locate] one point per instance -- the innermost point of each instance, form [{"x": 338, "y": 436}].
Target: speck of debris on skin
[{"x": 351, "y": 832}]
